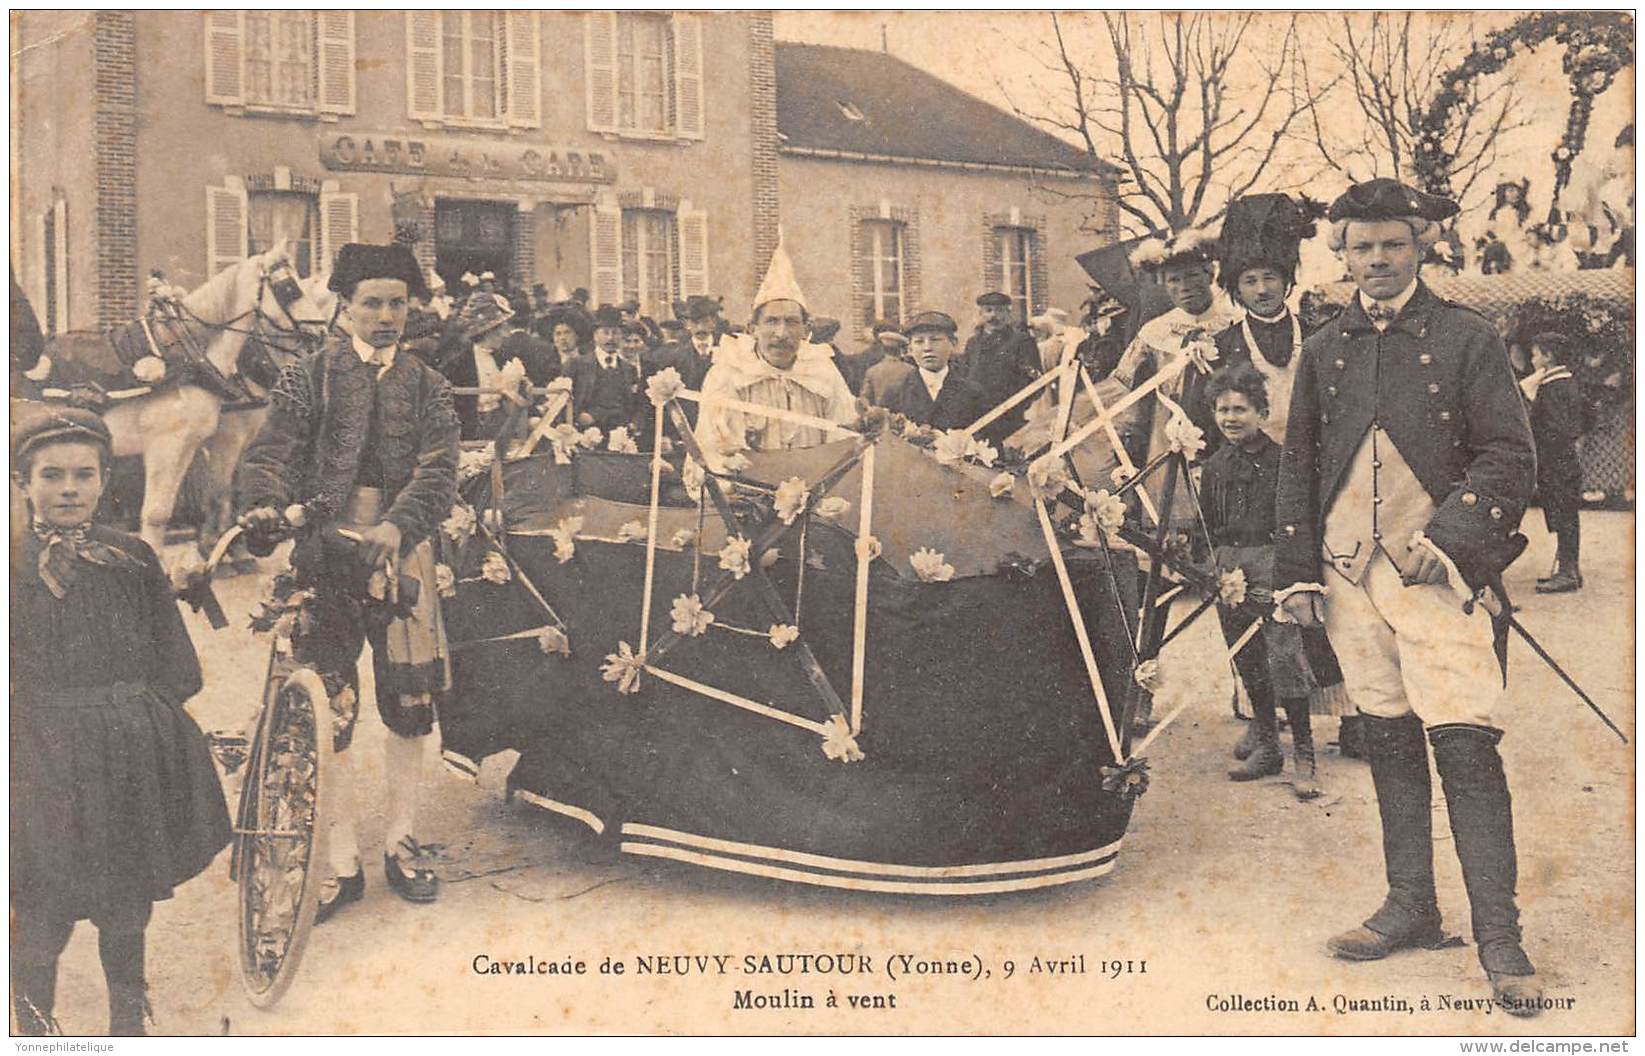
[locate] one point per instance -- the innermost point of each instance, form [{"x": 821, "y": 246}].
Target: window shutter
[
  {"x": 225, "y": 57},
  {"x": 339, "y": 225},
  {"x": 525, "y": 93},
  {"x": 605, "y": 254},
  {"x": 423, "y": 60},
  {"x": 335, "y": 52},
  {"x": 688, "y": 76},
  {"x": 693, "y": 228},
  {"x": 226, "y": 226},
  {"x": 600, "y": 54}
]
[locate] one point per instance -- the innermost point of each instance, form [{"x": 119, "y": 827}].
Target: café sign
[{"x": 448, "y": 156}]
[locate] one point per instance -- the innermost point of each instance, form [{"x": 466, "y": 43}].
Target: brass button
[
  {"x": 1496, "y": 513},
  {"x": 1377, "y": 536},
  {"x": 1376, "y": 463},
  {"x": 1469, "y": 498},
  {"x": 1290, "y": 529},
  {"x": 1426, "y": 360},
  {"x": 1433, "y": 388},
  {"x": 1376, "y": 501},
  {"x": 1341, "y": 364},
  {"x": 1330, "y": 390}
]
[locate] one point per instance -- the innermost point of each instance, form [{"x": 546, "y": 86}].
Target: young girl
[
  {"x": 1237, "y": 492},
  {"x": 114, "y": 800}
]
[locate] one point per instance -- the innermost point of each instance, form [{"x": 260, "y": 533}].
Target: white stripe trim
[
  {"x": 897, "y": 887},
  {"x": 586, "y": 817},
  {"x": 1004, "y": 406},
  {"x": 822, "y": 861},
  {"x": 742, "y": 702},
  {"x": 1077, "y": 619}
]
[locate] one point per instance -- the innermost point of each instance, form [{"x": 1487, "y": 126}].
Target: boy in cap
[
  {"x": 1407, "y": 467},
  {"x": 361, "y": 438},
  {"x": 933, "y": 393},
  {"x": 1000, "y": 359}
]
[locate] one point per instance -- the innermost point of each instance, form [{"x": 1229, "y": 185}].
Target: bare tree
[
  {"x": 1390, "y": 67},
  {"x": 1194, "y": 114}
]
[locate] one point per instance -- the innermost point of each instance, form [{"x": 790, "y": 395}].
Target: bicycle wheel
[{"x": 280, "y": 845}]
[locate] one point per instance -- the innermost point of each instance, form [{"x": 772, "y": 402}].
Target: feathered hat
[
  {"x": 1196, "y": 245},
  {"x": 1265, "y": 230}
]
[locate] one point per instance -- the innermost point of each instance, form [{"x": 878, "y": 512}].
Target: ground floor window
[
  {"x": 273, "y": 215},
  {"x": 650, "y": 248},
  {"x": 882, "y": 242},
  {"x": 1016, "y": 252}
]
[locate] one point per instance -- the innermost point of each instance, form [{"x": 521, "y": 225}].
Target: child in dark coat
[
  {"x": 114, "y": 800},
  {"x": 1556, "y": 426},
  {"x": 1237, "y": 493}
]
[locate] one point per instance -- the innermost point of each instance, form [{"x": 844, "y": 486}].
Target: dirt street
[{"x": 1222, "y": 897}]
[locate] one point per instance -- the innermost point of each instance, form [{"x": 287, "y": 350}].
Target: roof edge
[{"x": 1058, "y": 172}]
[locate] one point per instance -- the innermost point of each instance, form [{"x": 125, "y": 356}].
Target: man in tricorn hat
[
  {"x": 363, "y": 439},
  {"x": 1408, "y": 463},
  {"x": 934, "y": 393},
  {"x": 999, "y": 358}
]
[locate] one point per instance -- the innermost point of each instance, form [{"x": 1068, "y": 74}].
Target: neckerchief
[{"x": 65, "y": 547}]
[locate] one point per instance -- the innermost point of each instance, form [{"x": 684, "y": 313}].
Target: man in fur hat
[
  {"x": 776, "y": 367},
  {"x": 362, "y": 439},
  {"x": 1408, "y": 464}
]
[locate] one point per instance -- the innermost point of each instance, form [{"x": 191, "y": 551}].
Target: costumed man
[
  {"x": 772, "y": 367},
  {"x": 934, "y": 394},
  {"x": 362, "y": 439},
  {"x": 605, "y": 387},
  {"x": 1000, "y": 358},
  {"x": 1259, "y": 253},
  {"x": 1408, "y": 464}
]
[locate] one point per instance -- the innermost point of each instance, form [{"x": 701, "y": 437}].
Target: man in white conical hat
[{"x": 772, "y": 366}]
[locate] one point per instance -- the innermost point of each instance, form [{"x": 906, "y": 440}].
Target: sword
[{"x": 1492, "y": 600}]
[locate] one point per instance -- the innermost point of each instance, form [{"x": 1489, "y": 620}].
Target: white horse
[{"x": 172, "y": 424}]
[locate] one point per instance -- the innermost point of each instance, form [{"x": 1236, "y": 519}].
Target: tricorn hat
[
  {"x": 359, "y": 261},
  {"x": 1387, "y": 199},
  {"x": 1265, "y": 230},
  {"x": 1195, "y": 245}
]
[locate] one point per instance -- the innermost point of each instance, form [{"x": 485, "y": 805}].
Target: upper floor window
[
  {"x": 283, "y": 61},
  {"x": 474, "y": 68},
  {"x": 645, "y": 73}
]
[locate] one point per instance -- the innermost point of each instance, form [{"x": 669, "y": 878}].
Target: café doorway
[{"x": 474, "y": 237}]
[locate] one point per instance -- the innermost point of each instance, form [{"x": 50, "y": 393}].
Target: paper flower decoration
[
  {"x": 1184, "y": 436},
  {"x": 623, "y": 668},
  {"x": 1002, "y": 485},
  {"x": 1147, "y": 675},
  {"x": 1090, "y": 532},
  {"x": 1231, "y": 587},
  {"x": 564, "y": 535},
  {"x": 1123, "y": 475},
  {"x": 494, "y": 569},
  {"x": 1202, "y": 352},
  {"x": 508, "y": 380},
  {"x": 838, "y": 744},
  {"x": 1128, "y": 781},
  {"x": 690, "y": 618},
  {"x": 471, "y": 464},
  {"x": 664, "y": 386},
  {"x": 566, "y": 440},
  {"x": 630, "y": 532},
  {"x": 833, "y": 507},
  {"x": 950, "y": 447},
  {"x": 553, "y": 640},
  {"x": 791, "y": 498},
  {"x": 285, "y": 626},
  {"x": 734, "y": 556},
  {"x": 620, "y": 442},
  {"x": 692, "y": 476},
  {"x": 445, "y": 581},
  {"x": 592, "y": 436},
  {"x": 868, "y": 549},
  {"x": 149, "y": 369},
  {"x": 1106, "y": 507},
  {"x": 930, "y": 566},
  {"x": 1047, "y": 477},
  {"x": 40, "y": 371},
  {"x": 981, "y": 452},
  {"x": 782, "y": 635},
  {"x": 460, "y": 523},
  {"x": 683, "y": 538}
]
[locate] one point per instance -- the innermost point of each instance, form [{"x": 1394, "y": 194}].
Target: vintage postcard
[{"x": 822, "y": 523}]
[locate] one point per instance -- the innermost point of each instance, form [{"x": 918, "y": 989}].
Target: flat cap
[
  {"x": 36, "y": 425},
  {"x": 1387, "y": 199},
  {"x": 993, "y": 299},
  {"x": 930, "y": 320}
]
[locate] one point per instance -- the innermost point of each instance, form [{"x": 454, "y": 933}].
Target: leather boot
[
  {"x": 1564, "y": 581},
  {"x": 33, "y": 994},
  {"x": 1409, "y": 917},
  {"x": 1482, "y": 825},
  {"x": 122, "y": 957},
  {"x": 1247, "y": 742},
  {"x": 1351, "y": 737},
  {"x": 1265, "y": 759},
  {"x": 1302, "y": 747}
]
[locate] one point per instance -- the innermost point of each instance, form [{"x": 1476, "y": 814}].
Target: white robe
[{"x": 812, "y": 386}]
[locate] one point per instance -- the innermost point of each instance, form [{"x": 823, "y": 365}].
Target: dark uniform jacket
[
  {"x": 332, "y": 422},
  {"x": 1000, "y": 362},
  {"x": 959, "y": 402},
  {"x": 1439, "y": 382}
]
